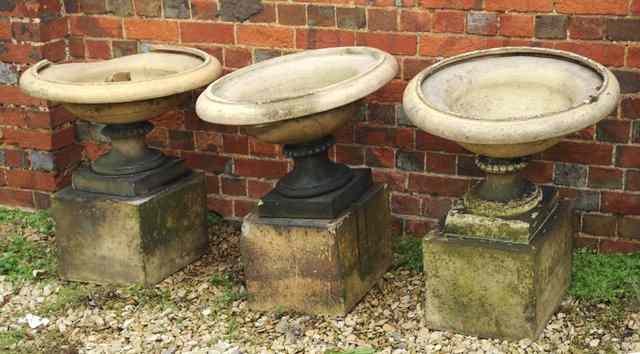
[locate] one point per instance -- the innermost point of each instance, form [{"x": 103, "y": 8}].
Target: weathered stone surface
[
  {"x": 42, "y": 160},
  {"x": 111, "y": 240},
  {"x": 239, "y": 10},
  {"x": 8, "y": 75},
  {"x": 320, "y": 266},
  {"x": 498, "y": 289}
]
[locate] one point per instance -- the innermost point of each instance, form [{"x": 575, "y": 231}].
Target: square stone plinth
[
  {"x": 114, "y": 240},
  {"x": 317, "y": 266},
  {"x": 497, "y": 289}
]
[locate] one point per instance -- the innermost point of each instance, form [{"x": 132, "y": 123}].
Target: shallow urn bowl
[
  {"x": 300, "y": 100},
  {"x": 124, "y": 93},
  {"x": 505, "y": 104}
]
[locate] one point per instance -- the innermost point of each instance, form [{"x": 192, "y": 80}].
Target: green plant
[
  {"x": 230, "y": 291},
  {"x": 213, "y": 219},
  {"x": 39, "y": 221},
  {"x": 21, "y": 258},
  {"x": 605, "y": 277},
  {"x": 11, "y": 338},
  {"x": 409, "y": 253},
  {"x": 144, "y": 295},
  {"x": 68, "y": 295}
]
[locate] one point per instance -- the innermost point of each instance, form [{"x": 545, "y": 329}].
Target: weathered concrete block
[
  {"x": 107, "y": 239},
  {"x": 320, "y": 266},
  {"x": 498, "y": 289}
]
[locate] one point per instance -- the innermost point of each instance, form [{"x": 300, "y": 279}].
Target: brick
[
  {"x": 13, "y": 95},
  {"x": 629, "y": 80},
  {"x": 260, "y": 168},
  {"x": 292, "y": 14},
  {"x": 76, "y": 47},
  {"x": 95, "y": 26},
  {"x": 599, "y": 225},
  {"x": 384, "y": 114},
  {"x": 633, "y": 57},
  {"x": 221, "y": 206},
  {"x": 410, "y": 161},
  {"x": 605, "y": 178},
  {"x": 19, "y": 53},
  {"x": 5, "y": 29},
  {"x": 16, "y": 197},
  {"x": 628, "y": 156},
  {"x": 382, "y": 19},
  {"x": 632, "y": 180},
  {"x": 444, "y": 46},
  {"x": 204, "y": 9},
  {"x": 266, "y": 54},
  {"x": 207, "y": 141},
  {"x": 390, "y": 93},
  {"x": 176, "y": 9},
  {"x": 441, "y": 163},
  {"x": 415, "y": 21},
  {"x": 435, "y": 207},
  {"x": 265, "y": 36},
  {"x": 351, "y": 17},
  {"x": 16, "y": 158},
  {"x": 485, "y": 23},
  {"x": 396, "y": 137},
  {"x": 629, "y": 227},
  {"x": 26, "y": 31},
  {"x": 206, "y": 32},
  {"x": 349, "y": 154},
  {"x": 235, "y": 144},
  {"x": 449, "y": 4},
  {"x": 630, "y": 107},
  {"x": 400, "y": 44},
  {"x": 148, "y": 8},
  {"x": 14, "y": 118},
  {"x": 54, "y": 51},
  {"x": 429, "y": 142},
  {"x": 623, "y": 29},
  {"x": 418, "y": 227},
  {"x": 621, "y": 203},
  {"x": 237, "y": 57},
  {"x": 635, "y": 7},
  {"x": 613, "y": 130},
  {"x": 587, "y": 200},
  {"x": 92, "y": 6},
  {"x": 258, "y": 189},
  {"x": 519, "y": 5},
  {"x": 98, "y": 49},
  {"x": 438, "y": 186},
  {"x": 267, "y": 15},
  {"x": 207, "y": 162},
  {"x": 448, "y": 21},
  {"x": 618, "y": 246},
  {"x": 8, "y": 74},
  {"x": 539, "y": 171},
  {"x": 551, "y": 26},
  {"x": 181, "y": 140},
  {"x": 586, "y": 27},
  {"x": 123, "y": 48},
  {"x": 579, "y": 152},
  {"x": 234, "y": 186},
  {"x": 413, "y": 66},
  {"x": 239, "y": 10},
  {"x": 243, "y": 207},
  {"x": 120, "y": 7},
  {"x": 321, "y": 15},
  {"x": 53, "y": 29},
  {"x": 34, "y": 180},
  {"x": 151, "y": 29},
  {"x": 606, "y": 53},
  {"x": 405, "y": 204},
  {"x": 257, "y": 148},
  {"x": 380, "y": 157},
  {"x": 323, "y": 38},
  {"x": 592, "y": 7},
  {"x": 396, "y": 180}
]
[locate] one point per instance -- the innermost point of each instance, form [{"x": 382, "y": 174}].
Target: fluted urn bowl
[
  {"x": 299, "y": 100},
  {"x": 124, "y": 93},
  {"x": 505, "y": 104},
  {"x": 510, "y": 102}
]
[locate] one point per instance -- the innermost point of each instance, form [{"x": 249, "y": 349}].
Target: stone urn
[
  {"x": 124, "y": 93},
  {"x": 299, "y": 100},
  {"x": 507, "y": 238},
  {"x": 134, "y": 216}
]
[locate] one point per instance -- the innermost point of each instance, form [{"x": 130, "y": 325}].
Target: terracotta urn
[
  {"x": 300, "y": 100},
  {"x": 124, "y": 93},
  {"x": 505, "y": 104}
]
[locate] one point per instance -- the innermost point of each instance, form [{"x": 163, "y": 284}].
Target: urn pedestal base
[
  {"x": 503, "y": 280},
  {"x": 317, "y": 266},
  {"x": 108, "y": 239}
]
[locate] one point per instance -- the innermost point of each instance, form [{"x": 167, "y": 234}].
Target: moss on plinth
[
  {"x": 114, "y": 240},
  {"x": 493, "y": 287},
  {"x": 317, "y": 266}
]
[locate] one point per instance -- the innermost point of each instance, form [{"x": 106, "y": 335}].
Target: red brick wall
[{"x": 599, "y": 166}]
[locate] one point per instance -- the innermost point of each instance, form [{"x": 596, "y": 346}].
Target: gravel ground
[{"x": 202, "y": 310}]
